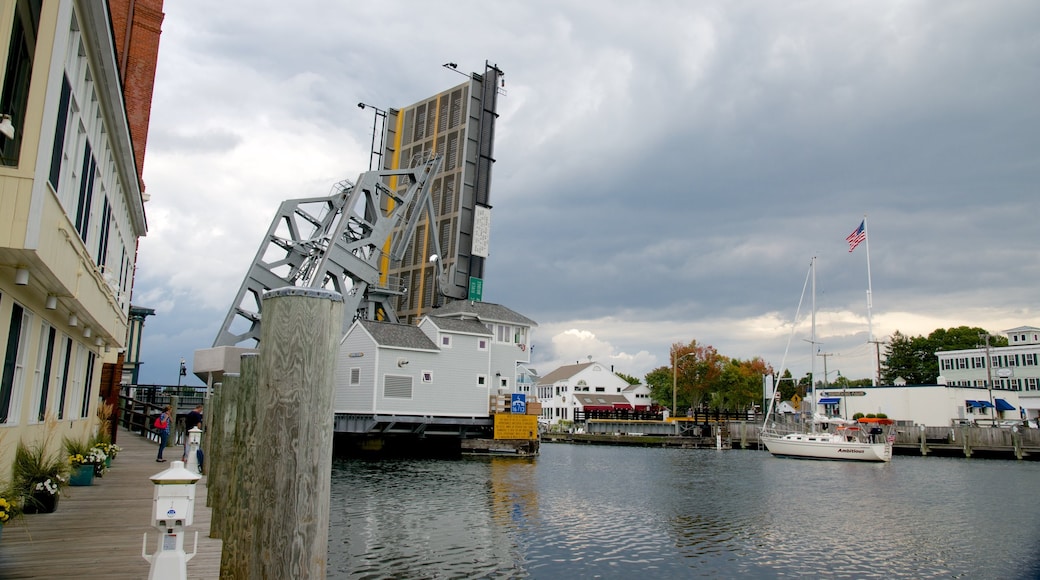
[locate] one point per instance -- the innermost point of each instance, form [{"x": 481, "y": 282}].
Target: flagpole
[{"x": 870, "y": 321}]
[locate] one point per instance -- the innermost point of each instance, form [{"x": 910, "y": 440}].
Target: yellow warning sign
[
  {"x": 796, "y": 401},
  {"x": 512, "y": 426}
]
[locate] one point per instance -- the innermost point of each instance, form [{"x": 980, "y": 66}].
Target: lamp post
[
  {"x": 989, "y": 376},
  {"x": 435, "y": 260},
  {"x": 675, "y": 364},
  {"x": 183, "y": 371}
]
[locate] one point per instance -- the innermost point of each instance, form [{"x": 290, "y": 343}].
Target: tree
[
  {"x": 909, "y": 358},
  {"x": 660, "y": 382},
  {"x": 698, "y": 369},
  {"x": 740, "y": 384},
  {"x": 914, "y": 360}
]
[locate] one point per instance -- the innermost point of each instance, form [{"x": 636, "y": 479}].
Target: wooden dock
[{"x": 97, "y": 531}]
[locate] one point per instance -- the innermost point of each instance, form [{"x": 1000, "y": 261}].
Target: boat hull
[{"x": 808, "y": 446}]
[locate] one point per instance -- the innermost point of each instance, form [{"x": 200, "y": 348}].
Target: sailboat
[{"x": 827, "y": 437}]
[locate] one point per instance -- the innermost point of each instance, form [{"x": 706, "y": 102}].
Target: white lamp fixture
[
  {"x": 6, "y": 126},
  {"x": 87, "y": 332},
  {"x": 21, "y": 276},
  {"x": 73, "y": 319},
  {"x": 52, "y": 302}
]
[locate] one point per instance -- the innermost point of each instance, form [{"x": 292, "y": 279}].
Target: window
[
  {"x": 947, "y": 364},
  {"x": 481, "y": 381},
  {"x": 355, "y": 375},
  {"x": 446, "y": 341},
  {"x": 482, "y": 344},
  {"x": 15, "y": 93},
  {"x": 64, "y": 366},
  {"x": 503, "y": 382},
  {"x": 427, "y": 377},
  {"x": 13, "y": 374},
  {"x": 42, "y": 375},
  {"x": 88, "y": 383},
  {"x": 1029, "y": 359}
]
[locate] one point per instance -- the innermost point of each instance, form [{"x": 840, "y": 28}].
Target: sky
[{"x": 665, "y": 171}]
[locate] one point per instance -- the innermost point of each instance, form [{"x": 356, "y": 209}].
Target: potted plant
[
  {"x": 84, "y": 461},
  {"x": 38, "y": 476},
  {"x": 8, "y": 508},
  {"x": 110, "y": 450}
]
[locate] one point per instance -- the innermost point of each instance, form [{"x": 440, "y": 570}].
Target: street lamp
[
  {"x": 183, "y": 372},
  {"x": 435, "y": 260},
  {"x": 675, "y": 363},
  {"x": 989, "y": 376}
]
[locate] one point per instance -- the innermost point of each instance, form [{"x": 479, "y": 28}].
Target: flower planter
[
  {"x": 40, "y": 502},
  {"x": 82, "y": 475}
]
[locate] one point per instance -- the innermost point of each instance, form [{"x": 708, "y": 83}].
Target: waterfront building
[
  {"x": 449, "y": 365},
  {"x": 76, "y": 94},
  {"x": 586, "y": 386},
  {"x": 980, "y": 385},
  {"x": 1012, "y": 370},
  {"x": 929, "y": 405}
]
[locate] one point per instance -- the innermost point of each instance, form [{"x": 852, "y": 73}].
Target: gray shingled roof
[
  {"x": 564, "y": 372},
  {"x": 468, "y": 326},
  {"x": 398, "y": 335},
  {"x": 600, "y": 399},
  {"x": 484, "y": 311}
]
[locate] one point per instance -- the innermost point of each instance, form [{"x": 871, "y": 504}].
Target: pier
[{"x": 97, "y": 530}]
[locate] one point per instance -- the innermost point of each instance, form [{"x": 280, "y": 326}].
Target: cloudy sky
[{"x": 665, "y": 170}]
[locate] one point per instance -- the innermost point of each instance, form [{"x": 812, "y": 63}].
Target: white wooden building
[
  {"x": 448, "y": 365},
  {"x": 574, "y": 387}
]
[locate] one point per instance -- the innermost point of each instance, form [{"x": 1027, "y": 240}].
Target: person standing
[
  {"x": 162, "y": 428},
  {"x": 192, "y": 420}
]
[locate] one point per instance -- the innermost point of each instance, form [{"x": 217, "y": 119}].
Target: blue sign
[{"x": 519, "y": 403}]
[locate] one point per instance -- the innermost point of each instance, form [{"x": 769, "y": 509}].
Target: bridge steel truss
[{"x": 344, "y": 242}]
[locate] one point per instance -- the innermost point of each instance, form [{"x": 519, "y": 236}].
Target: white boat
[
  {"x": 828, "y": 437},
  {"x": 845, "y": 442}
]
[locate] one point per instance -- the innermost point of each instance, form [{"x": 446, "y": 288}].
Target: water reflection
[{"x": 607, "y": 512}]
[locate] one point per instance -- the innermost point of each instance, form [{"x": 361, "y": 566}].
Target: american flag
[{"x": 857, "y": 236}]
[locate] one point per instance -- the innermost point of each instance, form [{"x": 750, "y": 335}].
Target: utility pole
[
  {"x": 877, "y": 359},
  {"x": 824, "y": 355}
]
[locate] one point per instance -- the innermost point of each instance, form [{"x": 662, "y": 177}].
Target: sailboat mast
[
  {"x": 812, "y": 341},
  {"x": 870, "y": 304}
]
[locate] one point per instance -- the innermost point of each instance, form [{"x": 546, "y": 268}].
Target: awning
[
  {"x": 597, "y": 408},
  {"x": 829, "y": 401},
  {"x": 1003, "y": 405},
  {"x": 985, "y": 404},
  {"x": 973, "y": 404},
  {"x": 622, "y": 406}
]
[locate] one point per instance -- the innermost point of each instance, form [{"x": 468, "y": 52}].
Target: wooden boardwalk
[{"x": 97, "y": 531}]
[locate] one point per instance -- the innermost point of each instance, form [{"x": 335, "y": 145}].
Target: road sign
[
  {"x": 518, "y": 404},
  {"x": 476, "y": 289}
]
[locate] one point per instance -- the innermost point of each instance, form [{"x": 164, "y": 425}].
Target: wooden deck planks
[{"x": 97, "y": 531}]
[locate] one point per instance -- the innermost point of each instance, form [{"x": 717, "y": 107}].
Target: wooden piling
[
  {"x": 290, "y": 467},
  {"x": 235, "y": 522}
]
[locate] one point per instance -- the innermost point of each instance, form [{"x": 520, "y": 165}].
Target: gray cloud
[{"x": 662, "y": 174}]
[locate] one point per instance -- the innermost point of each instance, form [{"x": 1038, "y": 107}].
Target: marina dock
[{"x": 97, "y": 530}]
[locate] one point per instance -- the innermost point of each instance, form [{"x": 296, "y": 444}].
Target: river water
[{"x": 619, "y": 512}]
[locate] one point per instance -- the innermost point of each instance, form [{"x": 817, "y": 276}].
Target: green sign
[{"x": 476, "y": 289}]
